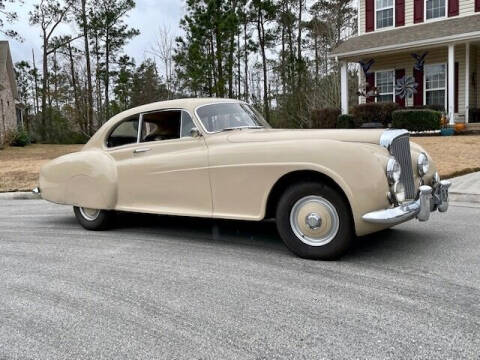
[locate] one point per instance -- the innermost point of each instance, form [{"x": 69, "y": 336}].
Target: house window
[
  {"x": 435, "y": 9},
  {"x": 384, "y": 82},
  {"x": 435, "y": 84},
  {"x": 384, "y": 13}
]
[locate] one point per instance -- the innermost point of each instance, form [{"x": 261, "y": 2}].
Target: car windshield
[{"x": 230, "y": 116}]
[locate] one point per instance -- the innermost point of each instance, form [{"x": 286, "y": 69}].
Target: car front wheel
[
  {"x": 93, "y": 219},
  {"x": 314, "y": 221}
]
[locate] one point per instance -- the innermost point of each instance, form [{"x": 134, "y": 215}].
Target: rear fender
[{"x": 85, "y": 179}]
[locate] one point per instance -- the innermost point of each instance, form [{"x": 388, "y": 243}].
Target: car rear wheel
[
  {"x": 93, "y": 219},
  {"x": 314, "y": 221}
]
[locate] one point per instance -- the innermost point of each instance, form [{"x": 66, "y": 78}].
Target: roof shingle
[{"x": 410, "y": 35}]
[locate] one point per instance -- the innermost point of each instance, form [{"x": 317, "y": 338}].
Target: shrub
[
  {"x": 374, "y": 113},
  {"x": 345, "y": 121},
  {"x": 20, "y": 138},
  {"x": 417, "y": 120},
  {"x": 324, "y": 118},
  {"x": 440, "y": 108}
]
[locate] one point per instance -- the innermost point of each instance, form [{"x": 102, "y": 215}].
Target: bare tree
[
  {"x": 48, "y": 14},
  {"x": 163, "y": 48}
]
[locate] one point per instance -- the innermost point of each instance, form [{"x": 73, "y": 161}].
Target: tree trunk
[
  {"x": 299, "y": 44},
  {"x": 245, "y": 44},
  {"x": 97, "y": 81},
  {"x": 55, "y": 83},
  {"x": 220, "y": 80},
  {"x": 214, "y": 69},
  {"x": 230, "y": 65},
  {"x": 35, "y": 76},
  {"x": 43, "y": 129},
  {"x": 75, "y": 92},
  {"x": 261, "y": 39},
  {"x": 107, "y": 75},
  {"x": 239, "y": 65},
  {"x": 89, "y": 70}
]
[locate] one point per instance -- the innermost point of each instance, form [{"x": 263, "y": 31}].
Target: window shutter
[
  {"x": 477, "y": 5},
  {"x": 370, "y": 84},
  {"x": 418, "y": 11},
  {"x": 399, "y": 73},
  {"x": 399, "y": 12},
  {"x": 369, "y": 15},
  {"x": 453, "y": 7},
  {"x": 418, "y": 97}
]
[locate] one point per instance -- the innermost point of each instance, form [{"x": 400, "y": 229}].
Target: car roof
[{"x": 188, "y": 103}]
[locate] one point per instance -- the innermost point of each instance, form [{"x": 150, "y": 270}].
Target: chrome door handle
[{"x": 141, "y": 150}]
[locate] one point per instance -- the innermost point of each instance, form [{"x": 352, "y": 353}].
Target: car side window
[
  {"x": 161, "y": 125},
  {"x": 187, "y": 124},
  {"x": 124, "y": 133}
]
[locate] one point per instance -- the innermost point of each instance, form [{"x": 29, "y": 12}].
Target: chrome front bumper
[{"x": 429, "y": 199}]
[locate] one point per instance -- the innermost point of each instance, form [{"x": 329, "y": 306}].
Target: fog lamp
[{"x": 422, "y": 164}]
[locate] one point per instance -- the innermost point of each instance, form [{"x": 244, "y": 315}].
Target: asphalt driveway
[{"x": 164, "y": 287}]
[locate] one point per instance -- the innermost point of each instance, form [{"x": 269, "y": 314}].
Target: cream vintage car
[{"x": 217, "y": 158}]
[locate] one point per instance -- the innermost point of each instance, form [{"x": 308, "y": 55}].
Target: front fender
[
  {"x": 359, "y": 170},
  {"x": 86, "y": 178}
]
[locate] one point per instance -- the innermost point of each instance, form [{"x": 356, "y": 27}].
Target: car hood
[{"x": 369, "y": 136}]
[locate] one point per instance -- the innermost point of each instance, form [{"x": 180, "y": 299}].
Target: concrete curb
[{"x": 19, "y": 195}]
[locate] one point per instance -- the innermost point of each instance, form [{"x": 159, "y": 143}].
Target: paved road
[{"x": 162, "y": 287}]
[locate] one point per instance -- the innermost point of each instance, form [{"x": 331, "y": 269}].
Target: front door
[{"x": 166, "y": 171}]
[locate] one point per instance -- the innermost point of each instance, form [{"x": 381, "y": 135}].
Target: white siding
[
  {"x": 408, "y": 12},
  {"x": 467, "y": 7},
  {"x": 362, "y": 17}
]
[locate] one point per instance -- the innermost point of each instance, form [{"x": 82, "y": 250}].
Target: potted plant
[
  {"x": 460, "y": 124},
  {"x": 446, "y": 130}
]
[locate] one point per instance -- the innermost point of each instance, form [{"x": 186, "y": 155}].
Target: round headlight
[
  {"x": 393, "y": 171},
  {"x": 422, "y": 164},
  {"x": 399, "y": 192}
]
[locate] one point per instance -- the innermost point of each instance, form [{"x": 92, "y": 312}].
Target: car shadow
[
  {"x": 386, "y": 244},
  {"x": 389, "y": 243},
  {"x": 252, "y": 233}
]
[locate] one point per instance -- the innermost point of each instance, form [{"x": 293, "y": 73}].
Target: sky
[{"x": 148, "y": 16}]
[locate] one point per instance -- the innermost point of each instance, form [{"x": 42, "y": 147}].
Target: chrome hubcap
[
  {"x": 89, "y": 214},
  {"x": 314, "y": 220}
]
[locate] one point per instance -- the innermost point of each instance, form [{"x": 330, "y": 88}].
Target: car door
[{"x": 166, "y": 171}]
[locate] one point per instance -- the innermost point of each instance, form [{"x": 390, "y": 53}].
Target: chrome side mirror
[{"x": 195, "y": 132}]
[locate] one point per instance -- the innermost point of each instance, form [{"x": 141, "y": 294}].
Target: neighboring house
[
  {"x": 10, "y": 110},
  {"x": 433, "y": 44}
]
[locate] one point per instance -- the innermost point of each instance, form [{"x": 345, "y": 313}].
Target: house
[
  {"x": 10, "y": 109},
  {"x": 416, "y": 52}
]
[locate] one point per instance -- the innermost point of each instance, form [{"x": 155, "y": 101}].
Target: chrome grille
[{"x": 400, "y": 149}]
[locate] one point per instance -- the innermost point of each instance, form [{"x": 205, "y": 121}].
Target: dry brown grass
[
  {"x": 453, "y": 155},
  {"x": 19, "y": 167}
]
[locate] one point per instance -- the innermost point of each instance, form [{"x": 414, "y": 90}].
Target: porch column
[
  {"x": 467, "y": 81},
  {"x": 344, "y": 87},
  {"x": 451, "y": 83}
]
